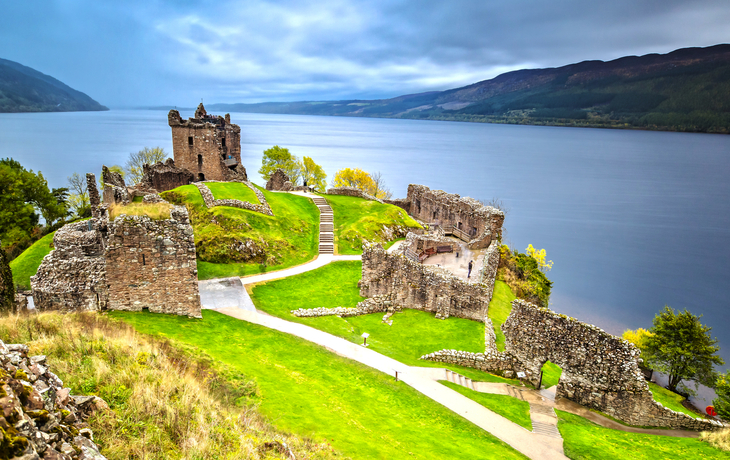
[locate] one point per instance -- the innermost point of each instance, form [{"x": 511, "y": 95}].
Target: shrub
[{"x": 522, "y": 273}]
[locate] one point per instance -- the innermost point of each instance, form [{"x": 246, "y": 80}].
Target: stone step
[
  {"x": 326, "y": 227},
  {"x": 544, "y": 410},
  {"x": 546, "y": 429},
  {"x": 326, "y": 217},
  {"x": 326, "y": 249},
  {"x": 320, "y": 201},
  {"x": 323, "y": 240}
]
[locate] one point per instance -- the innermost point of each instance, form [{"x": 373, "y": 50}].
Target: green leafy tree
[
  {"x": 313, "y": 174},
  {"x": 722, "y": 402},
  {"x": 279, "y": 157},
  {"x": 78, "y": 199},
  {"x": 137, "y": 160},
  {"x": 681, "y": 347}
]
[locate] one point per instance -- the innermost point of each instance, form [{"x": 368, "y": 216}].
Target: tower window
[
  {"x": 190, "y": 141},
  {"x": 223, "y": 142}
]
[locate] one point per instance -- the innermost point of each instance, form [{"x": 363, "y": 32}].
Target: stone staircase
[
  {"x": 459, "y": 379},
  {"x": 326, "y": 226}
]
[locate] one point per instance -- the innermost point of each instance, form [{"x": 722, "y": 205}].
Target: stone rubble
[{"x": 40, "y": 418}]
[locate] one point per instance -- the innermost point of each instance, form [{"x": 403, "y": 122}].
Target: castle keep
[{"x": 208, "y": 146}]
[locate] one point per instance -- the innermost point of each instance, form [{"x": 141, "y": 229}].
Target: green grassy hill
[
  {"x": 235, "y": 242},
  {"x": 685, "y": 90},
  {"x": 23, "y": 89}
]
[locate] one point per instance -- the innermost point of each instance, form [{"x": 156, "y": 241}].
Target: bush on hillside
[{"x": 522, "y": 273}]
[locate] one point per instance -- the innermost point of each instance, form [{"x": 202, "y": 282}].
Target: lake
[{"x": 633, "y": 220}]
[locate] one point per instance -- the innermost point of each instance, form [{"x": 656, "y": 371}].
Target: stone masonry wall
[
  {"x": 162, "y": 177},
  {"x": 202, "y": 144},
  {"x": 410, "y": 284},
  {"x": 115, "y": 190},
  {"x": 482, "y": 223},
  {"x": 7, "y": 288},
  {"x": 352, "y": 191},
  {"x": 279, "y": 181},
  {"x": 210, "y": 201},
  {"x": 151, "y": 264}
]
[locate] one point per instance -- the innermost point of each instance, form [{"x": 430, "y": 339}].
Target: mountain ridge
[
  {"x": 24, "y": 89},
  {"x": 685, "y": 90}
]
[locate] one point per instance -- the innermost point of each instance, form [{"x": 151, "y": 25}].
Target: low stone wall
[
  {"x": 352, "y": 191},
  {"x": 374, "y": 305},
  {"x": 210, "y": 201},
  {"x": 7, "y": 288},
  {"x": 413, "y": 285},
  {"x": 41, "y": 415},
  {"x": 151, "y": 265}
]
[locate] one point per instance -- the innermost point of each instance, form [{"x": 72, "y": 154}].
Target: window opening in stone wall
[
  {"x": 201, "y": 177},
  {"x": 223, "y": 142},
  {"x": 190, "y": 141},
  {"x": 459, "y": 226},
  {"x": 200, "y": 161},
  {"x": 435, "y": 213},
  {"x": 143, "y": 261},
  {"x": 473, "y": 230}
]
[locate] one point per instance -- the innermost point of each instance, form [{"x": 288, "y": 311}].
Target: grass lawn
[
  {"x": 232, "y": 191},
  {"x": 358, "y": 219},
  {"x": 26, "y": 264},
  {"x": 583, "y": 439},
  {"x": 307, "y": 390},
  {"x": 412, "y": 335},
  {"x": 508, "y": 407},
  {"x": 289, "y": 237},
  {"x": 670, "y": 400}
]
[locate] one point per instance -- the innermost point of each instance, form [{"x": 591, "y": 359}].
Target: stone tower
[{"x": 208, "y": 146}]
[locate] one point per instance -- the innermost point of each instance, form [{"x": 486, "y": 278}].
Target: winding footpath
[{"x": 229, "y": 296}]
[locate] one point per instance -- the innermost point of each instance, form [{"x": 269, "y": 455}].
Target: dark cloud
[{"x": 141, "y": 52}]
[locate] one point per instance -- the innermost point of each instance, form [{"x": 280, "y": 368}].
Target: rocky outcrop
[
  {"x": 40, "y": 418},
  {"x": 7, "y": 289},
  {"x": 165, "y": 176},
  {"x": 279, "y": 181}
]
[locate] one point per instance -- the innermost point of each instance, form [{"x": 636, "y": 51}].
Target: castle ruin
[{"x": 209, "y": 146}]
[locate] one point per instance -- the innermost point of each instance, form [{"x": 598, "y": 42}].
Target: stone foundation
[{"x": 210, "y": 201}]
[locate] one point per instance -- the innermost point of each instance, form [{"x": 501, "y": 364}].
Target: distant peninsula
[
  {"x": 685, "y": 90},
  {"x": 23, "y": 89}
]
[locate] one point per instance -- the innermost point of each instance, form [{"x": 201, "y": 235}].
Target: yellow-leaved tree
[
  {"x": 355, "y": 177},
  {"x": 539, "y": 255},
  {"x": 313, "y": 174}
]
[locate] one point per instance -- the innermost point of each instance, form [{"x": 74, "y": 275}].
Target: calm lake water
[{"x": 633, "y": 220}]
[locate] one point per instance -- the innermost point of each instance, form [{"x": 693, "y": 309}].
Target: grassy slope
[
  {"x": 508, "y": 407},
  {"x": 412, "y": 335},
  {"x": 291, "y": 234},
  {"x": 232, "y": 191},
  {"x": 585, "y": 440},
  {"x": 499, "y": 309},
  {"x": 357, "y": 219},
  {"x": 670, "y": 400},
  {"x": 312, "y": 392},
  {"x": 26, "y": 265}
]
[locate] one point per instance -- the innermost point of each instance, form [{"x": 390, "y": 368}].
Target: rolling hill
[
  {"x": 685, "y": 90},
  {"x": 23, "y": 89}
]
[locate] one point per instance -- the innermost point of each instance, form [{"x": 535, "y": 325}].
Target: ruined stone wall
[
  {"x": 151, "y": 264},
  {"x": 115, "y": 190},
  {"x": 73, "y": 276},
  {"x": 482, "y": 223},
  {"x": 352, "y": 191},
  {"x": 162, "y": 177},
  {"x": 279, "y": 181},
  {"x": 409, "y": 284},
  {"x": 201, "y": 145},
  {"x": 7, "y": 288},
  {"x": 210, "y": 201}
]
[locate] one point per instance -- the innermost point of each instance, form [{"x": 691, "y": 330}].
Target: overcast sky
[{"x": 149, "y": 52}]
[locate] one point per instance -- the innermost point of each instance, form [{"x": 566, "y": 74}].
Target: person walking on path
[{"x": 468, "y": 275}]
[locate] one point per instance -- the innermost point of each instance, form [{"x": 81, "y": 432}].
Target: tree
[
  {"x": 381, "y": 191},
  {"x": 279, "y": 157},
  {"x": 637, "y": 337},
  {"x": 137, "y": 160},
  {"x": 682, "y": 347},
  {"x": 355, "y": 177},
  {"x": 78, "y": 200},
  {"x": 313, "y": 174},
  {"x": 540, "y": 255},
  {"x": 722, "y": 402}
]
